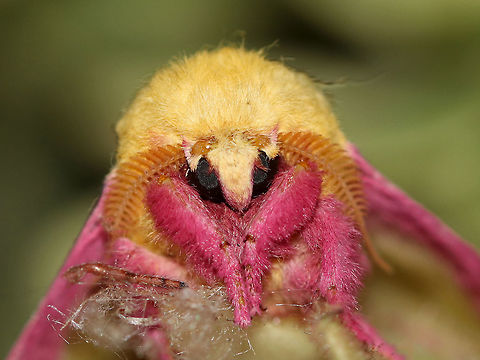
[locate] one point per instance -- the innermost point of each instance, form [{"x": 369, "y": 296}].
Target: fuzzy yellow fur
[
  {"x": 232, "y": 96},
  {"x": 230, "y": 90}
]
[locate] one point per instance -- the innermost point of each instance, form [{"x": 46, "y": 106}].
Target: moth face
[{"x": 233, "y": 168}]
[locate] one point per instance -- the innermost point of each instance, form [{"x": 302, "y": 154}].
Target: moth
[{"x": 234, "y": 190}]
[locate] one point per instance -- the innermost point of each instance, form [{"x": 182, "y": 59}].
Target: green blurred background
[{"x": 406, "y": 90}]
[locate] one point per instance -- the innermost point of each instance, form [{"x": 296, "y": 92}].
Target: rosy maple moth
[{"x": 234, "y": 190}]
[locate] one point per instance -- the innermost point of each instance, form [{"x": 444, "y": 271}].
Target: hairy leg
[
  {"x": 333, "y": 238},
  {"x": 287, "y": 207},
  {"x": 366, "y": 333},
  {"x": 332, "y": 266},
  {"x": 180, "y": 213}
]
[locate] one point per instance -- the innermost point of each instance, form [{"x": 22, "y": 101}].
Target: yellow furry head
[{"x": 226, "y": 106}]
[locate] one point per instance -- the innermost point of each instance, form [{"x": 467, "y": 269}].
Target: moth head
[
  {"x": 224, "y": 109},
  {"x": 223, "y": 94},
  {"x": 233, "y": 165}
]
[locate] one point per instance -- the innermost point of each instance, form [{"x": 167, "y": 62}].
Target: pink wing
[
  {"x": 395, "y": 208},
  {"x": 38, "y": 336}
]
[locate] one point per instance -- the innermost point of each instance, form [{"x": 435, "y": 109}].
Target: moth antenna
[
  {"x": 341, "y": 177},
  {"x": 124, "y": 202},
  {"x": 373, "y": 253}
]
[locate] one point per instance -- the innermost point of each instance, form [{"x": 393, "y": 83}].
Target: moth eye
[
  {"x": 264, "y": 159},
  {"x": 265, "y": 171},
  {"x": 206, "y": 177},
  {"x": 205, "y": 181},
  {"x": 260, "y": 173}
]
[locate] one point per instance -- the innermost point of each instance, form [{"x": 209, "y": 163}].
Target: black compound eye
[
  {"x": 263, "y": 174},
  {"x": 206, "y": 177},
  {"x": 264, "y": 159},
  {"x": 206, "y": 182}
]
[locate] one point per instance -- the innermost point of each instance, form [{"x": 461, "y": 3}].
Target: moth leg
[
  {"x": 289, "y": 205},
  {"x": 333, "y": 266},
  {"x": 334, "y": 240},
  {"x": 112, "y": 274},
  {"x": 179, "y": 212},
  {"x": 367, "y": 333}
]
